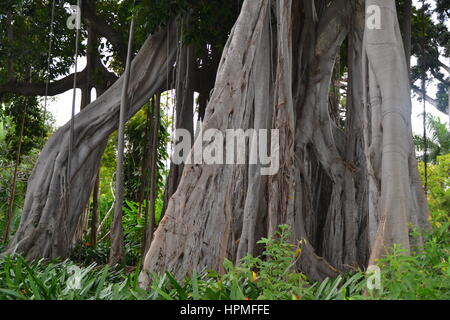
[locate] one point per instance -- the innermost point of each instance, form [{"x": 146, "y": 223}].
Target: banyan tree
[{"x": 347, "y": 184}]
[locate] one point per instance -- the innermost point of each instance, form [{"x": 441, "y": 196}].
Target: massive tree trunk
[
  {"x": 184, "y": 113},
  {"x": 204, "y": 219},
  {"x": 348, "y": 189},
  {"x": 94, "y": 211},
  {"x": 45, "y": 229},
  {"x": 397, "y": 195},
  {"x": 347, "y": 193}
]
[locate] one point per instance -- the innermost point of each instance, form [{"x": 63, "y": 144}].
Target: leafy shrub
[
  {"x": 270, "y": 276},
  {"x": 84, "y": 254},
  {"x": 133, "y": 228},
  {"x": 20, "y": 280},
  {"x": 438, "y": 177},
  {"x": 414, "y": 277},
  {"x": 423, "y": 275}
]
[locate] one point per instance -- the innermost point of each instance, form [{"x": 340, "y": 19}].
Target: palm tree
[{"x": 438, "y": 141}]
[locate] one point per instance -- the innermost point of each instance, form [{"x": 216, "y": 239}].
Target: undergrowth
[{"x": 272, "y": 276}]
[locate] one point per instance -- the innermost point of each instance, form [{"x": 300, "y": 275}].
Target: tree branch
[
  {"x": 428, "y": 99},
  {"x": 101, "y": 26},
  {"x": 444, "y": 66},
  {"x": 38, "y": 89},
  {"x": 56, "y": 87},
  {"x": 10, "y": 36},
  {"x": 438, "y": 77}
]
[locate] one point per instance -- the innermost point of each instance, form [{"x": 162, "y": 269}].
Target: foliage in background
[
  {"x": 135, "y": 136},
  {"x": 35, "y": 129},
  {"x": 431, "y": 47},
  {"x": 438, "y": 176},
  {"x": 438, "y": 141},
  {"x": 31, "y": 37},
  {"x": 133, "y": 219}
]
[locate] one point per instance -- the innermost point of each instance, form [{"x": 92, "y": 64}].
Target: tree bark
[
  {"x": 407, "y": 31},
  {"x": 94, "y": 212},
  {"x": 347, "y": 192},
  {"x": 322, "y": 189},
  {"x": 196, "y": 221},
  {"x": 117, "y": 253},
  {"x": 150, "y": 226},
  {"x": 10, "y": 36},
  {"x": 198, "y": 230},
  {"x": 184, "y": 113},
  {"x": 398, "y": 198},
  {"x": 44, "y": 230}
]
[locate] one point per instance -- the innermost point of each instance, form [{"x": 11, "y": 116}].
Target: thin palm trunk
[
  {"x": 94, "y": 212},
  {"x": 150, "y": 226},
  {"x": 145, "y": 178},
  {"x": 117, "y": 246},
  {"x": 12, "y": 196}
]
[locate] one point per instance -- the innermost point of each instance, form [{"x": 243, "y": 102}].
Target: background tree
[
  {"x": 431, "y": 47},
  {"x": 438, "y": 144},
  {"x": 23, "y": 129}
]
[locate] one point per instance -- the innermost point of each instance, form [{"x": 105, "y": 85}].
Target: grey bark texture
[
  {"x": 184, "y": 113},
  {"x": 397, "y": 193},
  {"x": 340, "y": 190},
  {"x": 45, "y": 230},
  {"x": 347, "y": 191}
]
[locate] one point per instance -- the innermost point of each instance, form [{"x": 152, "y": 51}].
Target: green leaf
[
  {"x": 181, "y": 292},
  {"x": 13, "y": 293},
  {"x": 227, "y": 265},
  {"x": 101, "y": 282},
  {"x": 195, "y": 293}
]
